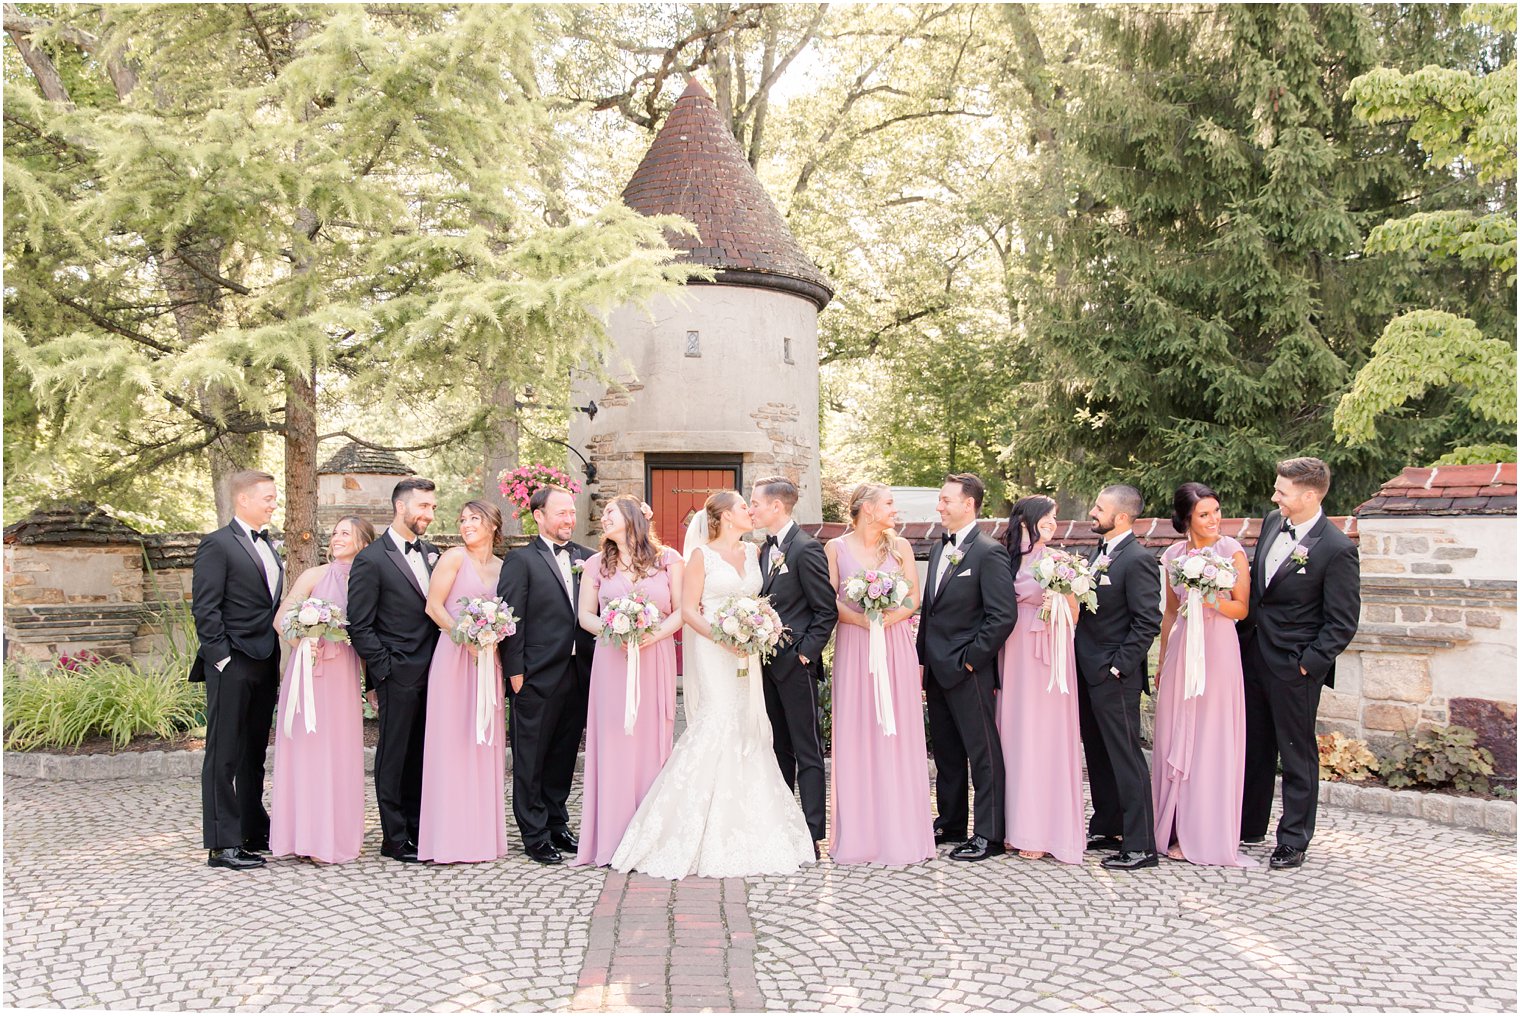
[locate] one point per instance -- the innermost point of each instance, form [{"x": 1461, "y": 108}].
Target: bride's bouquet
[
  {"x": 1062, "y": 574},
  {"x": 1204, "y": 575},
  {"x": 625, "y": 622},
  {"x": 749, "y": 624},
  {"x": 311, "y": 621},
  {"x": 485, "y": 622},
  {"x": 878, "y": 592}
]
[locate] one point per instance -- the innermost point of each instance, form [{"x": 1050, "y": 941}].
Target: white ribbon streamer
[
  {"x": 303, "y": 696},
  {"x": 881, "y": 678},
  {"x": 689, "y": 692},
  {"x": 758, "y": 722},
  {"x": 485, "y": 694},
  {"x": 1193, "y": 654},
  {"x": 631, "y": 689},
  {"x": 1060, "y": 629}
]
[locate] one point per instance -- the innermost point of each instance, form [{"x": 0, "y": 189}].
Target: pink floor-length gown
[
  {"x": 1198, "y": 764},
  {"x": 881, "y": 783},
  {"x": 1039, "y": 729},
  {"x": 317, "y": 805},
  {"x": 620, "y": 767},
  {"x": 463, "y": 814}
]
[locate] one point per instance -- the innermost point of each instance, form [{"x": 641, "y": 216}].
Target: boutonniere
[
  {"x": 432, "y": 558},
  {"x": 1101, "y": 564},
  {"x": 954, "y": 557},
  {"x": 576, "y": 567},
  {"x": 778, "y": 564},
  {"x": 1299, "y": 556}
]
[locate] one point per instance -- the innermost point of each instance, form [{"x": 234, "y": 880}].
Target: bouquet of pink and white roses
[
  {"x": 625, "y": 622},
  {"x": 878, "y": 592},
  {"x": 309, "y": 622},
  {"x": 1062, "y": 574},
  {"x": 1205, "y": 576},
  {"x": 485, "y": 622}
]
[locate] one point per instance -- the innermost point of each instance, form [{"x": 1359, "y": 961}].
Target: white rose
[
  {"x": 901, "y": 587},
  {"x": 309, "y": 615},
  {"x": 855, "y": 589},
  {"x": 490, "y": 608},
  {"x": 1081, "y": 585},
  {"x": 1193, "y": 566},
  {"x": 748, "y": 606},
  {"x": 621, "y": 624},
  {"x": 731, "y": 625}
]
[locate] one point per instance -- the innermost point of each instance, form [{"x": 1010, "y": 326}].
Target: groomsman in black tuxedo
[
  {"x": 548, "y": 668},
  {"x": 391, "y": 632},
  {"x": 1306, "y": 599},
  {"x": 1112, "y": 646},
  {"x": 969, "y": 610},
  {"x": 795, "y": 574},
  {"x": 235, "y": 588}
]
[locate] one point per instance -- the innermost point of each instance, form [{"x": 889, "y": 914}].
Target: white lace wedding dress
[{"x": 719, "y": 807}]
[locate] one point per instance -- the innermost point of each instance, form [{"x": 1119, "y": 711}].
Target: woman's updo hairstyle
[
  {"x": 718, "y": 502},
  {"x": 1185, "y": 500}
]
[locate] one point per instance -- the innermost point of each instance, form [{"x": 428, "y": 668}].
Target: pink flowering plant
[
  {"x": 1065, "y": 574},
  {"x": 315, "y": 618},
  {"x": 1203, "y": 569},
  {"x": 485, "y": 621},
  {"x": 520, "y": 484},
  {"x": 749, "y": 624},
  {"x": 877, "y": 592},
  {"x": 627, "y": 619}
]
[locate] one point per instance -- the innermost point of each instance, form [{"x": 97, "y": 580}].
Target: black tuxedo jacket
[
  {"x": 387, "y": 613},
  {"x": 969, "y": 618},
  {"x": 1128, "y": 617},
  {"x": 229, "y": 598},
  {"x": 547, "y": 627},
  {"x": 1309, "y": 613},
  {"x": 802, "y": 596}
]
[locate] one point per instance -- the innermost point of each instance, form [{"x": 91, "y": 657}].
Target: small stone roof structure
[
  {"x": 71, "y": 523},
  {"x": 695, "y": 169},
  {"x": 1488, "y": 489},
  {"x": 356, "y": 458}
]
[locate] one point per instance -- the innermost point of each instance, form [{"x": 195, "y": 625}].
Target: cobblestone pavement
[{"x": 108, "y": 904}]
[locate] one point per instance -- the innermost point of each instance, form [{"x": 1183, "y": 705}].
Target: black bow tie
[
  {"x": 561, "y": 548},
  {"x": 947, "y": 538},
  {"x": 411, "y": 546},
  {"x": 261, "y": 534},
  {"x": 1102, "y": 547},
  {"x": 770, "y": 541},
  {"x": 1288, "y": 528}
]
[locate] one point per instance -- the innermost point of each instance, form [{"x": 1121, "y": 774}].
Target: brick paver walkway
[{"x": 108, "y": 904}]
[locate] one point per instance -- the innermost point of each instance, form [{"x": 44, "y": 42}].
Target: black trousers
[
  {"x": 1109, "y": 714},
  {"x": 240, "y": 703},
  {"x": 547, "y": 721},
  {"x": 1280, "y": 714},
  {"x": 791, "y": 702},
  {"x": 964, "y": 730},
  {"x": 398, "y": 759}
]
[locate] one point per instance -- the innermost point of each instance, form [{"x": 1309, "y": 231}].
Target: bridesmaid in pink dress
[
  {"x": 620, "y": 766},
  {"x": 881, "y": 781},
  {"x": 1037, "y": 723},
  {"x": 317, "y": 806},
  {"x": 463, "y": 814},
  {"x": 1198, "y": 762}
]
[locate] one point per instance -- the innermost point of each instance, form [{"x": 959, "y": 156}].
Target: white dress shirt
[
  {"x": 414, "y": 559},
  {"x": 1113, "y": 542},
  {"x": 1284, "y": 544},
  {"x": 563, "y": 561},
  {"x": 944, "y": 556}
]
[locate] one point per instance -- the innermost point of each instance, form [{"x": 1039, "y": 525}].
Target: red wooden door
[{"x": 674, "y": 493}]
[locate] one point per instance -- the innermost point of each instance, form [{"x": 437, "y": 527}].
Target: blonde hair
[
  {"x": 858, "y": 498},
  {"x": 717, "y": 503}
]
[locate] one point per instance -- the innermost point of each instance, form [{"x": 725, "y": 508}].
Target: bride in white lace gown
[{"x": 719, "y": 807}]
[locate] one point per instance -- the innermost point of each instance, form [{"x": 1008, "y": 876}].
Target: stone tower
[{"x": 718, "y": 385}]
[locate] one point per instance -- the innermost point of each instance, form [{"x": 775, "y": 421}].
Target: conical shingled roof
[{"x": 695, "y": 169}]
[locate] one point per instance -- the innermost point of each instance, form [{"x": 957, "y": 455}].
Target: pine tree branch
[
  {"x": 112, "y": 326},
  {"x": 462, "y": 431},
  {"x": 258, "y": 30},
  {"x": 210, "y": 276},
  {"x": 38, "y": 62}
]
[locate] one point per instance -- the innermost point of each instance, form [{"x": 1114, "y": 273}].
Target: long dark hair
[
  {"x": 1025, "y": 519},
  {"x": 642, "y": 545},
  {"x": 1185, "y": 500}
]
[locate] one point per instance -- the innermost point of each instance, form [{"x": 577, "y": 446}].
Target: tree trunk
[
  {"x": 300, "y": 472},
  {"x": 501, "y": 451}
]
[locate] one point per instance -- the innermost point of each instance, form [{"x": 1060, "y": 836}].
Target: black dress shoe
[
  {"x": 406, "y": 853},
  {"x": 543, "y": 853},
  {"x": 1105, "y": 843},
  {"x": 940, "y": 836},
  {"x": 817, "y": 851},
  {"x": 564, "y": 839},
  {"x": 1253, "y": 840},
  {"x": 234, "y": 858},
  {"x": 1129, "y": 860},
  {"x": 978, "y": 848},
  {"x": 256, "y": 846},
  {"x": 1287, "y": 857}
]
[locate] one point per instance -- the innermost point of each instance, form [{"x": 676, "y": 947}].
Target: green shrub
[
  {"x": 1440, "y": 757},
  {"x": 57, "y": 708}
]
